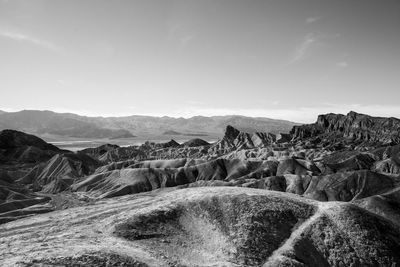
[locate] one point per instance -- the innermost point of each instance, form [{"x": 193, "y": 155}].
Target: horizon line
[
  {"x": 301, "y": 115},
  {"x": 145, "y": 115}
]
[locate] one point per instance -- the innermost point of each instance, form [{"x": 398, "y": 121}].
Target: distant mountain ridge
[
  {"x": 42, "y": 122},
  {"x": 72, "y": 125}
]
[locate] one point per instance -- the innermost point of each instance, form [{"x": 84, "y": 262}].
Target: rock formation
[
  {"x": 328, "y": 194},
  {"x": 353, "y": 126}
]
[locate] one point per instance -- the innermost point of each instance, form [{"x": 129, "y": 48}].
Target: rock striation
[{"x": 60, "y": 172}]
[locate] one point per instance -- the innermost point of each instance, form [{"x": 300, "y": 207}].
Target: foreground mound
[{"x": 220, "y": 226}]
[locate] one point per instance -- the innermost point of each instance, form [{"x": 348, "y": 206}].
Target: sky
[{"x": 283, "y": 59}]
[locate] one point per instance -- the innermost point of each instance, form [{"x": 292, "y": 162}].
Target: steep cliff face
[
  {"x": 235, "y": 139},
  {"x": 355, "y": 126}
]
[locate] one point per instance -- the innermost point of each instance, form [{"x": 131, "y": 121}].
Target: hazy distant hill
[
  {"x": 72, "y": 125},
  {"x": 47, "y": 122}
]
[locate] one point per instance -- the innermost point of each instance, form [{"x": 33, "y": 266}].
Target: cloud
[
  {"x": 181, "y": 35},
  {"x": 308, "y": 44},
  {"x": 301, "y": 50},
  {"x": 20, "y": 37},
  {"x": 184, "y": 40},
  {"x": 61, "y": 82},
  {"x": 275, "y": 103},
  {"x": 310, "y": 20},
  {"x": 342, "y": 64}
]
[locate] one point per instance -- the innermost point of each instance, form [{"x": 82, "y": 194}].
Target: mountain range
[{"x": 72, "y": 125}]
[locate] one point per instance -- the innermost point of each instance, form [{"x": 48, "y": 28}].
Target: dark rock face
[
  {"x": 196, "y": 142},
  {"x": 354, "y": 126},
  {"x": 171, "y": 143},
  {"x": 20, "y": 147},
  {"x": 231, "y": 133},
  {"x": 14, "y": 139}
]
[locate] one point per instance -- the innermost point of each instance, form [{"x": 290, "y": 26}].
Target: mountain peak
[
  {"x": 353, "y": 113},
  {"x": 231, "y": 132}
]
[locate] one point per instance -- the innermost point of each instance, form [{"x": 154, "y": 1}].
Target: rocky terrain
[{"x": 325, "y": 194}]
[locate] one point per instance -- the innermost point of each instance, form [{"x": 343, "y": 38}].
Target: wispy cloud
[
  {"x": 342, "y": 64},
  {"x": 308, "y": 44},
  {"x": 310, "y": 20},
  {"x": 301, "y": 51},
  {"x": 20, "y": 37},
  {"x": 184, "y": 40},
  {"x": 181, "y": 35},
  {"x": 275, "y": 103}
]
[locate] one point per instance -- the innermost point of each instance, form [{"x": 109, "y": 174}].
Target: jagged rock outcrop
[
  {"x": 354, "y": 126},
  {"x": 236, "y": 140}
]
